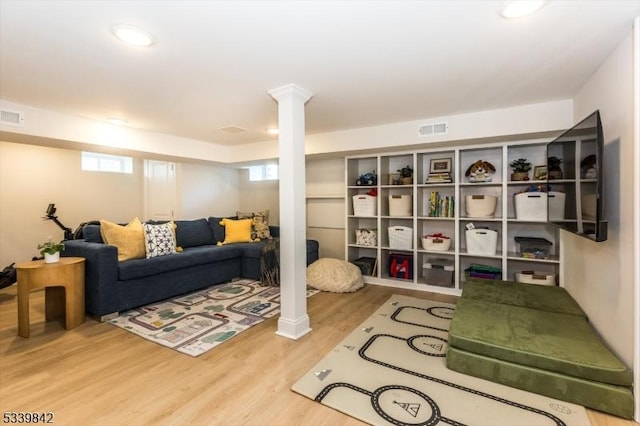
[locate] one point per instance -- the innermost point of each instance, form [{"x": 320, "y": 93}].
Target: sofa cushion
[
  {"x": 191, "y": 256},
  {"x": 91, "y": 234},
  {"x": 193, "y": 233},
  {"x": 546, "y": 298},
  {"x": 128, "y": 239},
  {"x": 217, "y": 228},
  {"x": 159, "y": 240},
  {"x": 551, "y": 341},
  {"x": 236, "y": 231}
]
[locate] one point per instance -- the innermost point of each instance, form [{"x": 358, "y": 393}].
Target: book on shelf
[
  {"x": 439, "y": 178},
  {"x": 367, "y": 265},
  {"x": 441, "y": 206}
]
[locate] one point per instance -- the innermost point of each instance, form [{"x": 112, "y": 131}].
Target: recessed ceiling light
[
  {"x": 117, "y": 121},
  {"x": 520, "y": 8},
  {"x": 273, "y": 131},
  {"x": 131, "y": 35}
]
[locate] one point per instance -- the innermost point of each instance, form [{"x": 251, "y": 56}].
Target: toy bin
[
  {"x": 533, "y": 277},
  {"x": 480, "y": 205},
  {"x": 533, "y": 248},
  {"x": 364, "y": 205},
  {"x": 481, "y": 241},
  {"x": 367, "y": 237},
  {"x": 436, "y": 242},
  {"x": 438, "y": 272},
  {"x": 399, "y": 205},
  {"x": 400, "y": 265},
  {"x": 400, "y": 237},
  {"x": 533, "y": 205}
]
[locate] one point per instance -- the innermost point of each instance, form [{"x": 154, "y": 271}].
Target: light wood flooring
[{"x": 98, "y": 374}]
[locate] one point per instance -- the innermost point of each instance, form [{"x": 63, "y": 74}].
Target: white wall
[
  {"x": 258, "y": 196},
  {"x": 31, "y": 177},
  {"x": 207, "y": 191},
  {"x": 599, "y": 275}
]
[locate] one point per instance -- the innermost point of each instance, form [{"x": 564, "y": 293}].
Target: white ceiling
[{"x": 366, "y": 62}]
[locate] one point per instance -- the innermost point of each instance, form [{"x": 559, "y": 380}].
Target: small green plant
[
  {"x": 50, "y": 247},
  {"x": 553, "y": 164},
  {"x": 406, "y": 171},
  {"x": 520, "y": 165}
]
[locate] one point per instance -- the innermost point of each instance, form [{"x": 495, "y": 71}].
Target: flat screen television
[{"x": 575, "y": 168}]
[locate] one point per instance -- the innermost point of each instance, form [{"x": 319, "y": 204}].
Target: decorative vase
[
  {"x": 520, "y": 176},
  {"x": 406, "y": 180},
  {"x": 52, "y": 258}
]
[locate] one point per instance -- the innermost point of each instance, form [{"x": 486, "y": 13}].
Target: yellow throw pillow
[
  {"x": 128, "y": 239},
  {"x": 236, "y": 231}
]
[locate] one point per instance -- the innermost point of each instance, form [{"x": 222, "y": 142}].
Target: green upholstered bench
[{"x": 538, "y": 339}]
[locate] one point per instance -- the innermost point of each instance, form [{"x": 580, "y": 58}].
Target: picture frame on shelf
[
  {"x": 394, "y": 179},
  {"x": 440, "y": 165},
  {"x": 540, "y": 173}
]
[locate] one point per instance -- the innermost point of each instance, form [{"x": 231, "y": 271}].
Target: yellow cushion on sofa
[
  {"x": 236, "y": 231},
  {"x": 128, "y": 239}
]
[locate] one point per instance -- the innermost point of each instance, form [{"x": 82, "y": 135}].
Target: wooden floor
[{"x": 98, "y": 374}]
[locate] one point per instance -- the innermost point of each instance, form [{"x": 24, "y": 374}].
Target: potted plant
[
  {"x": 51, "y": 251},
  {"x": 520, "y": 168},
  {"x": 553, "y": 167},
  {"x": 406, "y": 175}
]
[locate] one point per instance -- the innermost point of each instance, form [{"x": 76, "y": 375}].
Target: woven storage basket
[
  {"x": 532, "y": 277},
  {"x": 436, "y": 243},
  {"x": 364, "y": 205},
  {"x": 480, "y": 205},
  {"x": 482, "y": 241},
  {"x": 400, "y": 237}
]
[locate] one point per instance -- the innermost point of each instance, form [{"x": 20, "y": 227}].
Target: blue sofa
[{"x": 112, "y": 286}]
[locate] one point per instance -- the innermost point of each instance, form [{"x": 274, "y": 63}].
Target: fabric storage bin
[
  {"x": 400, "y": 266},
  {"x": 399, "y": 205},
  {"x": 400, "y": 237},
  {"x": 533, "y": 205},
  {"x": 364, "y": 205},
  {"x": 481, "y": 241},
  {"x": 367, "y": 237},
  {"x": 533, "y": 277},
  {"x": 480, "y": 205},
  {"x": 533, "y": 248},
  {"x": 436, "y": 242},
  {"x": 438, "y": 272}
]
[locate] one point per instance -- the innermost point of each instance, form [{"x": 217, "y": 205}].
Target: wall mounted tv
[{"x": 580, "y": 177}]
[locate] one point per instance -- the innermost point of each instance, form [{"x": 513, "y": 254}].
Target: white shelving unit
[{"x": 422, "y": 223}]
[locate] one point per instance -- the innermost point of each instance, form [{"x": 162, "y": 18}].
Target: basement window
[
  {"x": 264, "y": 172},
  {"x": 95, "y": 162}
]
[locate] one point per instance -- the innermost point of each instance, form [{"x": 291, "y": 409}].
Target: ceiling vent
[
  {"x": 232, "y": 129},
  {"x": 12, "y": 118},
  {"x": 434, "y": 129}
]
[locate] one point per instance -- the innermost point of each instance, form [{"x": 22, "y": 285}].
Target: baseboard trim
[{"x": 293, "y": 329}]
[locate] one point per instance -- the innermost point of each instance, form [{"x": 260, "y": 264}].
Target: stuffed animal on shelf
[
  {"x": 588, "y": 165},
  {"x": 480, "y": 171}
]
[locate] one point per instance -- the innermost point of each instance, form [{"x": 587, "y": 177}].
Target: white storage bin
[
  {"x": 400, "y": 237},
  {"x": 481, "y": 241},
  {"x": 399, "y": 205},
  {"x": 432, "y": 243},
  {"x": 589, "y": 206},
  {"x": 481, "y": 205},
  {"x": 533, "y": 277},
  {"x": 364, "y": 205},
  {"x": 556, "y": 205},
  {"x": 367, "y": 237},
  {"x": 533, "y": 205}
]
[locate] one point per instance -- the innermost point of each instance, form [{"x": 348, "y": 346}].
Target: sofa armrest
[{"x": 101, "y": 271}]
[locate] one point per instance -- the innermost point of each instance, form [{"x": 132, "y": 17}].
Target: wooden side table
[{"x": 63, "y": 282}]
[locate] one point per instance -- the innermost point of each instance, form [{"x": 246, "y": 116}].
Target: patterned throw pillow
[
  {"x": 159, "y": 239},
  {"x": 259, "y": 224}
]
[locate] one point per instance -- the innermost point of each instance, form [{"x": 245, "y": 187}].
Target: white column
[{"x": 294, "y": 321}]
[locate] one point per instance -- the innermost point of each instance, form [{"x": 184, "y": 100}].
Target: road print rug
[
  {"x": 391, "y": 371},
  {"x": 198, "y": 322}
]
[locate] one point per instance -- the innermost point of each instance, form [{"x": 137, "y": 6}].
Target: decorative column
[{"x": 294, "y": 321}]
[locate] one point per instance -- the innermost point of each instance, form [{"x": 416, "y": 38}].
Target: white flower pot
[{"x": 52, "y": 258}]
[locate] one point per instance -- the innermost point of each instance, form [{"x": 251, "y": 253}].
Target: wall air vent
[
  {"x": 434, "y": 129},
  {"x": 232, "y": 129},
  {"x": 12, "y": 118}
]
